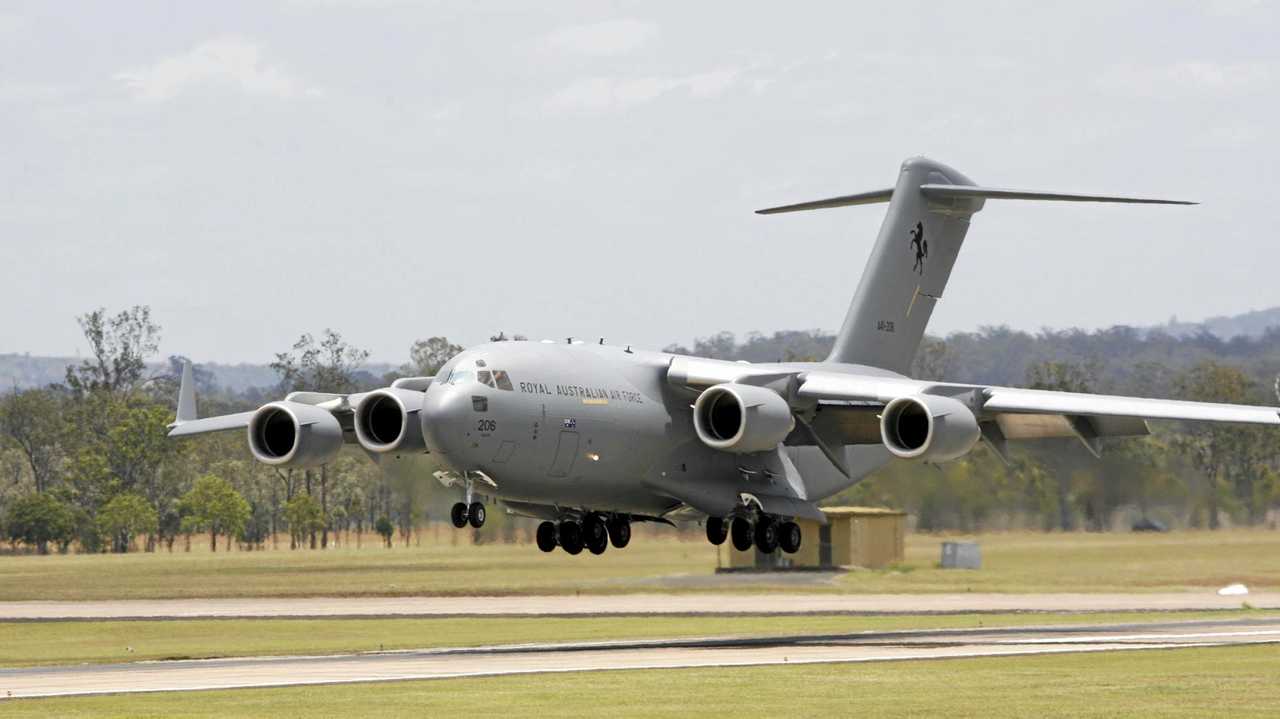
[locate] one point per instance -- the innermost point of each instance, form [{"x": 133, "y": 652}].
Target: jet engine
[
  {"x": 294, "y": 434},
  {"x": 928, "y": 427},
  {"x": 742, "y": 418},
  {"x": 387, "y": 420}
]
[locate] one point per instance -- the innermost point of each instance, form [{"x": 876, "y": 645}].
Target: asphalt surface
[
  {"x": 654, "y": 654},
  {"x": 627, "y": 604}
]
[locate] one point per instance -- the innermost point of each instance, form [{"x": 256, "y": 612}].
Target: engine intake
[
  {"x": 742, "y": 418},
  {"x": 294, "y": 434},
  {"x": 928, "y": 427},
  {"x": 387, "y": 421}
]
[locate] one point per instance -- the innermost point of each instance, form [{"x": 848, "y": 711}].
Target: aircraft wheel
[
  {"x": 620, "y": 532},
  {"x": 475, "y": 515},
  {"x": 458, "y": 515},
  {"x": 741, "y": 534},
  {"x": 594, "y": 531},
  {"x": 569, "y": 533},
  {"x": 717, "y": 530},
  {"x": 546, "y": 537},
  {"x": 789, "y": 537},
  {"x": 767, "y": 534},
  {"x": 597, "y": 546}
]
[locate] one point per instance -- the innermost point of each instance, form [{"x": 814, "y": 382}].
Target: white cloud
[
  {"x": 611, "y": 37},
  {"x": 603, "y": 94},
  {"x": 229, "y": 62}
]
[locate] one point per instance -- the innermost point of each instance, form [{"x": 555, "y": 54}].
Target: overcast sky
[{"x": 396, "y": 170}]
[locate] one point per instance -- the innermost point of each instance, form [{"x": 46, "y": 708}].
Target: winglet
[{"x": 186, "y": 397}]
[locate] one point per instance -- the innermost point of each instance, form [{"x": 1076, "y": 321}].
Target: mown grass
[
  {"x": 1012, "y": 562},
  {"x": 1235, "y": 681},
  {"x": 60, "y": 643}
]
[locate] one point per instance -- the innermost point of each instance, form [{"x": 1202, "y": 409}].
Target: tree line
[
  {"x": 1183, "y": 474},
  {"x": 86, "y": 462}
]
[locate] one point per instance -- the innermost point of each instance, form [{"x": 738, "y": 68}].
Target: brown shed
[{"x": 870, "y": 537}]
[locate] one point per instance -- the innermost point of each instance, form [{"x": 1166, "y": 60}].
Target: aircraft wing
[
  {"x": 222, "y": 423},
  {"x": 991, "y": 401}
]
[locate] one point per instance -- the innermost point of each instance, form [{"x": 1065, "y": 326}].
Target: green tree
[
  {"x": 325, "y": 366},
  {"x": 120, "y": 346},
  {"x": 1227, "y": 455},
  {"x": 32, "y": 422},
  {"x": 213, "y": 505},
  {"x": 426, "y": 357},
  {"x": 125, "y": 517},
  {"x": 38, "y": 519},
  {"x": 385, "y": 528},
  {"x": 304, "y": 517}
]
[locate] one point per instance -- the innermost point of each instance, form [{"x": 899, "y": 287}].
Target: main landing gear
[
  {"x": 594, "y": 532},
  {"x": 768, "y": 533}
]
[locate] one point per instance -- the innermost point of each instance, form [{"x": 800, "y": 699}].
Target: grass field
[
  {"x": 1236, "y": 681},
  {"x": 50, "y": 643},
  {"x": 1012, "y": 562}
]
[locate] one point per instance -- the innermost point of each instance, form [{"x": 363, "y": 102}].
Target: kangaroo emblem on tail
[{"x": 921, "y": 246}]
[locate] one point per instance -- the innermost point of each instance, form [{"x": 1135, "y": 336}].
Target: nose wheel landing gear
[
  {"x": 462, "y": 514},
  {"x": 468, "y": 511}
]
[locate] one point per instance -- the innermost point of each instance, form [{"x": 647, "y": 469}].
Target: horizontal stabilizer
[
  {"x": 941, "y": 192},
  {"x": 863, "y": 198}
]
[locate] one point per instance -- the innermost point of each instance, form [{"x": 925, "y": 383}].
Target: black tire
[
  {"x": 717, "y": 530},
  {"x": 569, "y": 534},
  {"x": 789, "y": 537},
  {"x": 546, "y": 537},
  {"x": 458, "y": 515},
  {"x": 598, "y": 546},
  {"x": 620, "y": 532},
  {"x": 476, "y": 515},
  {"x": 767, "y": 535},
  {"x": 740, "y": 531},
  {"x": 594, "y": 531}
]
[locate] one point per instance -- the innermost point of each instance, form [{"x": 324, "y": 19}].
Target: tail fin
[{"x": 928, "y": 216}]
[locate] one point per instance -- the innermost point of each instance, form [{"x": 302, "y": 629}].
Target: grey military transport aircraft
[{"x": 590, "y": 437}]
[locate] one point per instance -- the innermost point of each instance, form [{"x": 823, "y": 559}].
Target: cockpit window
[
  {"x": 460, "y": 376},
  {"x": 484, "y": 376},
  {"x": 502, "y": 380}
]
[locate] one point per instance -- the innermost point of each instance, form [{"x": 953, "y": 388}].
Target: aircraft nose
[{"x": 445, "y": 412}]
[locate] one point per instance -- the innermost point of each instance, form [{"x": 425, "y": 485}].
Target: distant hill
[
  {"x": 1250, "y": 324},
  {"x": 25, "y": 370}
]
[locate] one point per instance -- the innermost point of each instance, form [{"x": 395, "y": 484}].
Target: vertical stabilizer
[
  {"x": 928, "y": 216},
  {"x": 908, "y": 269}
]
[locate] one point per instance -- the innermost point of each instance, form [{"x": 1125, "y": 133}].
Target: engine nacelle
[
  {"x": 294, "y": 434},
  {"x": 742, "y": 418},
  {"x": 928, "y": 427},
  {"x": 387, "y": 420}
]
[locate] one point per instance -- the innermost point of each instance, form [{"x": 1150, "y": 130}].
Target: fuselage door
[{"x": 566, "y": 453}]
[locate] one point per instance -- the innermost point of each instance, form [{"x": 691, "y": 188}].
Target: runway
[
  {"x": 626, "y": 604},
  {"x": 653, "y": 654}
]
